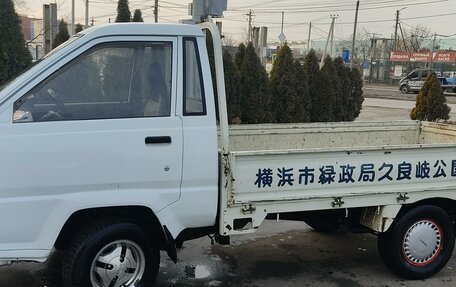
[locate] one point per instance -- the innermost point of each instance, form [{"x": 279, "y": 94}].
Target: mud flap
[{"x": 171, "y": 249}]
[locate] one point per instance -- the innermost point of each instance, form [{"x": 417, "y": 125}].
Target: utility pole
[
  {"x": 156, "y": 11},
  {"x": 395, "y": 31},
  {"x": 72, "y": 17},
  {"x": 281, "y": 29},
  {"x": 331, "y": 30},
  {"x": 87, "y": 14},
  {"x": 308, "y": 38},
  {"x": 250, "y": 15},
  {"x": 354, "y": 36}
]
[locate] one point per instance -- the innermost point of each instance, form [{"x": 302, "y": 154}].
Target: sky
[{"x": 375, "y": 16}]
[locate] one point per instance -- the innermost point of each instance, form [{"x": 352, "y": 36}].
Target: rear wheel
[
  {"x": 111, "y": 253},
  {"x": 419, "y": 244}
]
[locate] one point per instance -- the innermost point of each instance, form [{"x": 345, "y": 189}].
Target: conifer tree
[
  {"x": 431, "y": 102},
  {"x": 304, "y": 106},
  {"x": 78, "y": 28},
  {"x": 289, "y": 89},
  {"x": 14, "y": 55},
  {"x": 123, "y": 11},
  {"x": 355, "y": 103},
  {"x": 312, "y": 70},
  {"x": 255, "y": 101},
  {"x": 324, "y": 102},
  {"x": 62, "y": 35},
  {"x": 137, "y": 16},
  {"x": 335, "y": 87},
  {"x": 344, "y": 91},
  {"x": 283, "y": 86},
  {"x": 233, "y": 91},
  {"x": 239, "y": 57}
]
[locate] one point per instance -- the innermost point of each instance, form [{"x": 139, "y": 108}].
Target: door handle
[{"x": 158, "y": 140}]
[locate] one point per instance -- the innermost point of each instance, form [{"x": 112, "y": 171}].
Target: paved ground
[
  {"x": 388, "y": 103},
  {"x": 285, "y": 254},
  {"x": 392, "y": 92}
]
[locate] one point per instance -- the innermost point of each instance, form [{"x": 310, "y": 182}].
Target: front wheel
[
  {"x": 419, "y": 244},
  {"x": 111, "y": 253},
  {"x": 405, "y": 89}
]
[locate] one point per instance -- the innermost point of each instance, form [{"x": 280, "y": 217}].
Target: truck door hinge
[
  {"x": 337, "y": 202},
  {"x": 402, "y": 197},
  {"x": 248, "y": 208}
]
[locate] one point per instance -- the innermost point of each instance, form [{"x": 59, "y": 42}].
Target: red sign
[
  {"x": 439, "y": 57},
  {"x": 445, "y": 57},
  {"x": 400, "y": 56},
  {"x": 420, "y": 57}
]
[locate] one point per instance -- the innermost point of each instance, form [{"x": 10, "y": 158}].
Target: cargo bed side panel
[{"x": 293, "y": 175}]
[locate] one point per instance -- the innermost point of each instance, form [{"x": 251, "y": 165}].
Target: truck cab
[{"x": 114, "y": 122}]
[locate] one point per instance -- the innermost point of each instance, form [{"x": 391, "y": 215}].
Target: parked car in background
[{"x": 414, "y": 81}]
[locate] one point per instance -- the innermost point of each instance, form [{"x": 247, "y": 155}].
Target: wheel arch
[
  {"x": 142, "y": 215},
  {"x": 447, "y": 204}
]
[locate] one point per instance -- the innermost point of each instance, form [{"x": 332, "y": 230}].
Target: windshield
[{"x": 60, "y": 47}]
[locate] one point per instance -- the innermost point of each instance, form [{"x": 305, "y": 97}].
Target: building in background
[
  {"x": 39, "y": 33},
  {"x": 32, "y": 28}
]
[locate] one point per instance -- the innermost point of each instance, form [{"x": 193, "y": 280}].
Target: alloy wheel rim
[{"x": 120, "y": 263}]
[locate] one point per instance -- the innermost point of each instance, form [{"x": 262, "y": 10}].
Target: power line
[
  {"x": 317, "y": 9},
  {"x": 349, "y": 23}
]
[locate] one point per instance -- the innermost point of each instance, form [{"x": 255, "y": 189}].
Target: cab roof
[{"x": 125, "y": 29}]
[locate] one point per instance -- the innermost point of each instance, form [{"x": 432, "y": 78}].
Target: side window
[
  {"x": 194, "y": 101},
  {"x": 115, "y": 80},
  {"x": 413, "y": 75},
  {"x": 424, "y": 74}
]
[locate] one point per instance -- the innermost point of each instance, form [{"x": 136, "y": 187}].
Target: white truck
[{"x": 110, "y": 151}]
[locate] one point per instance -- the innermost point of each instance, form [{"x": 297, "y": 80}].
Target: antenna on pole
[
  {"x": 250, "y": 15},
  {"x": 330, "y": 36},
  {"x": 281, "y": 31}
]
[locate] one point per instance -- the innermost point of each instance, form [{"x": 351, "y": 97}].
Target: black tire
[
  {"x": 383, "y": 242},
  {"x": 419, "y": 244},
  {"x": 79, "y": 261},
  {"x": 405, "y": 89}
]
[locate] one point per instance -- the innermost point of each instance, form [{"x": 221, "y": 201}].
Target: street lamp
[{"x": 395, "y": 30}]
